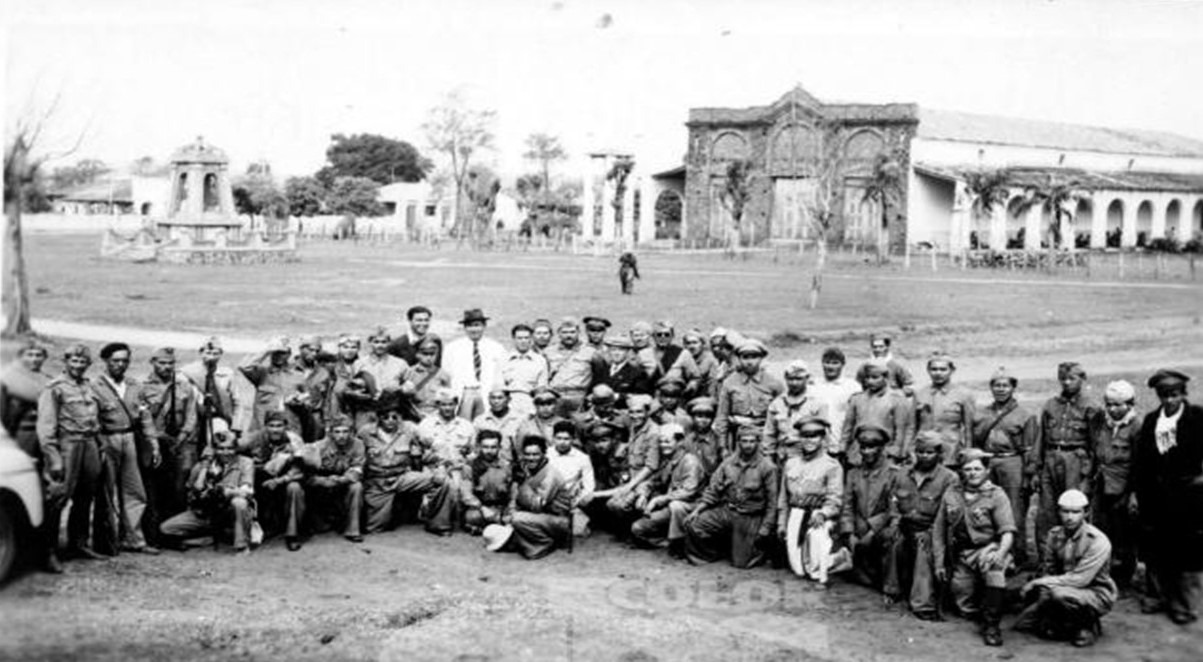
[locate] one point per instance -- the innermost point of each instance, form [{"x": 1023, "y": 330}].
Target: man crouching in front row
[{"x": 220, "y": 493}]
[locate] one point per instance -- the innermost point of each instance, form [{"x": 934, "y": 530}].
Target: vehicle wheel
[{"x": 8, "y": 542}]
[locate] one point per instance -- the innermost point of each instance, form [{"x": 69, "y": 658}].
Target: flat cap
[
  {"x": 593, "y": 322},
  {"x": 621, "y": 342},
  {"x": 970, "y": 454},
  {"x": 1165, "y": 378},
  {"x": 604, "y": 394},
  {"x": 813, "y": 419},
  {"x": 797, "y": 368},
  {"x": 701, "y": 404},
  {"x": 1003, "y": 373},
  {"x": 751, "y": 347},
  {"x": 877, "y": 435}
]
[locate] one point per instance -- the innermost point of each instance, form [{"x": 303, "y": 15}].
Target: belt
[
  {"x": 999, "y": 456},
  {"x": 121, "y": 431},
  {"x": 564, "y": 390},
  {"x": 1067, "y": 447}
]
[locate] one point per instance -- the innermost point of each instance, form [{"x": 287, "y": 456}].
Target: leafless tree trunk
[
  {"x": 816, "y": 280},
  {"x": 16, "y": 286}
]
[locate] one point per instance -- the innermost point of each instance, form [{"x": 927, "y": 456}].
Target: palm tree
[
  {"x": 987, "y": 189},
  {"x": 885, "y": 188},
  {"x": 735, "y": 194},
  {"x": 1058, "y": 198}
]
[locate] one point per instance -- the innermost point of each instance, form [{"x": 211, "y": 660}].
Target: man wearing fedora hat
[{"x": 474, "y": 364}]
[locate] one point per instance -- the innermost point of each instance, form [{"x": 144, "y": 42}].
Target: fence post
[
  {"x": 1121, "y": 264},
  {"x": 1192, "y": 266}
]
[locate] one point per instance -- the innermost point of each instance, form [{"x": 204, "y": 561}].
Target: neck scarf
[{"x": 1166, "y": 433}]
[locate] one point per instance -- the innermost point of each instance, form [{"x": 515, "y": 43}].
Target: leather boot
[{"x": 992, "y": 602}]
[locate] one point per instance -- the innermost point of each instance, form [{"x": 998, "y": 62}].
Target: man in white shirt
[
  {"x": 474, "y": 363},
  {"x": 523, "y": 370},
  {"x": 577, "y": 469},
  {"x": 834, "y": 389}
]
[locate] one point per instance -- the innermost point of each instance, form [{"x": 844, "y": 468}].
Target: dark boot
[
  {"x": 676, "y": 548},
  {"x": 992, "y": 602}
]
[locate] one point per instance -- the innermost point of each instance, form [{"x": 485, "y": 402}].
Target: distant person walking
[{"x": 628, "y": 271}]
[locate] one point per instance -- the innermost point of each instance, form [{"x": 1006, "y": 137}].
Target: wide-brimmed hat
[
  {"x": 473, "y": 315},
  {"x": 496, "y": 536}
]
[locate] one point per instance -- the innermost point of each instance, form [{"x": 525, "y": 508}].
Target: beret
[
  {"x": 112, "y": 348},
  {"x": 1072, "y": 499},
  {"x": 163, "y": 353},
  {"x": 882, "y": 435}
]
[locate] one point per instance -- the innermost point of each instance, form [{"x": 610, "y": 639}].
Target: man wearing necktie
[{"x": 474, "y": 363}]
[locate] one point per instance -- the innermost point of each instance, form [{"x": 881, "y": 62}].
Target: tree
[
  {"x": 823, "y": 203},
  {"x": 148, "y": 167},
  {"x": 481, "y": 191},
  {"x": 84, "y": 172},
  {"x": 619, "y": 173},
  {"x": 734, "y": 196},
  {"x": 258, "y": 195},
  {"x": 987, "y": 189},
  {"x": 544, "y": 149},
  {"x": 354, "y": 196},
  {"x": 1058, "y": 198},
  {"x": 460, "y": 133},
  {"x": 305, "y": 195},
  {"x": 885, "y": 188},
  {"x": 380, "y": 159}
]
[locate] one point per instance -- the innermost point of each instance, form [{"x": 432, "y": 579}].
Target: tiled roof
[
  {"x": 969, "y": 127},
  {"x": 1085, "y": 179},
  {"x": 100, "y": 191}
]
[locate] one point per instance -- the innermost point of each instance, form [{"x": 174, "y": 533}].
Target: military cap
[
  {"x": 639, "y": 401},
  {"x": 718, "y": 332},
  {"x": 112, "y": 348},
  {"x": 349, "y": 339},
  {"x": 163, "y": 354},
  {"x": 568, "y": 322},
  {"x": 751, "y": 347},
  {"x": 672, "y": 429},
  {"x": 603, "y": 394},
  {"x": 31, "y": 344},
  {"x": 310, "y": 341},
  {"x": 379, "y": 332},
  {"x": 882, "y": 436},
  {"x": 596, "y": 323},
  {"x": 77, "y": 349},
  {"x": 342, "y": 421},
  {"x": 671, "y": 385},
  {"x": 270, "y": 416},
  {"x": 797, "y": 368},
  {"x": 875, "y": 365},
  {"x": 212, "y": 342},
  {"x": 662, "y": 325},
  {"x": 813, "y": 419},
  {"x": 929, "y": 439},
  {"x": 1166, "y": 378},
  {"x": 445, "y": 395},
  {"x": 276, "y": 345},
  {"x": 693, "y": 333},
  {"x": 1002, "y": 373},
  {"x": 701, "y": 404},
  {"x": 1072, "y": 499},
  {"x": 428, "y": 341},
  {"x": 544, "y": 392},
  {"x": 939, "y": 356},
  {"x": 748, "y": 431},
  {"x": 620, "y": 342},
  {"x": 970, "y": 454},
  {"x": 523, "y": 326},
  {"x": 601, "y": 429},
  {"x": 1071, "y": 368}
]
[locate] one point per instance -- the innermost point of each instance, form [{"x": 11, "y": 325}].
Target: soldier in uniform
[
  {"x": 627, "y": 375},
  {"x": 695, "y": 342},
  {"x": 642, "y": 452},
  {"x": 353, "y": 392},
  {"x": 917, "y": 496},
  {"x": 334, "y": 483},
  {"x": 1064, "y": 458},
  {"x": 487, "y": 481},
  {"x": 787, "y": 409},
  {"x": 670, "y": 405},
  {"x": 447, "y": 440},
  {"x": 504, "y": 421},
  {"x": 667, "y": 497},
  {"x": 540, "y": 504},
  {"x": 865, "y": 522},
  {"x": 808, "y": 504},
  {"x": 595, "y": 332},
  {"x": 424, "y": 379},
  {"x": 219, "y": 395},
  {"x": 1074, "y": 589},
  {"x": 737, "y": 513},
  {"x": 316, "y": 384},
  {"x": 898, "y": 376},
  {"x": 280, "y": 471},
  {"x": 575, "y": 366},
  {"x": 1009, "y": 432},
  {"x": 702, "y": 440},
  {"x": 971, "y": 543},
  {"x": 277, "y": 385},
  {"x": 602, "y": 408},
  {"x": 543, "y": 423},
  {"x": 129, "y": 454},
  {"x": 68, "y": 425},
  {"x": 172, "y": 401},
  {"x": 944, "y": 407},
  {"x": 1113, "y": 434},
  {"x": 877, "y": 405},
  {"x": 21, "y": 383},
  {"x": 606, "y": 446},
  {"x": 221, "y": 491},
  {"x": 745, "y": 395},
  {"x": 393, "y": 469}
]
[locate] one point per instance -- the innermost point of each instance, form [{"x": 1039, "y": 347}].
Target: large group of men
[{"x": 684, "y": 443}]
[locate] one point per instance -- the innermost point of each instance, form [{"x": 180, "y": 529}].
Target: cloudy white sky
[{"x": 268, "y": 79}]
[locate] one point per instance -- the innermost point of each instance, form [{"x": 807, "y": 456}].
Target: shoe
[
  {"x": 1183, "y": 618},
  {"x": 991, "y": 635},
  {"x": 1151, "y": 607},
  {"x": 52, "y": 565},
  {"x": 676, "y": 548},
  {"x": 354, "y": 538},
  {"x": 242, "y": 551},
  {"x": 144, "y": 549},
  {"x": 931, "y": 616},
  {"x": 1083, "y": 638},
  {"x": 292, "y": 544},
  {"x": 888, "y": 600},
  {"x": 83, "y": 553}
]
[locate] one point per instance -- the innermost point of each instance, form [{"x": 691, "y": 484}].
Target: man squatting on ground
[{"x": 709, "y": 461}]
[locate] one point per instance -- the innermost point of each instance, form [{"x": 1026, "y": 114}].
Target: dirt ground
[{"x": 409, "y": 595}]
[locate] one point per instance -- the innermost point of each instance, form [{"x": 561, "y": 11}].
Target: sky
[{"x": 272, "y": 80}]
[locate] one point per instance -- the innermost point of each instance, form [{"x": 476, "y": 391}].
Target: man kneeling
[
  {"x": 669, "y": 495},
  {"x": 335, "y": 485},
  {"x": 1075, "y": 589},
  {"x": 537, "y": 517},
  {"x": 220, "y": 493}
]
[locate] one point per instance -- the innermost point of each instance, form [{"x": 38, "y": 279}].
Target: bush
[{"x": 1164, "y": 245}]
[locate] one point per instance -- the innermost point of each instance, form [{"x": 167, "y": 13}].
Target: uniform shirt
[
  {"x": 124, "y": 407},
  {"x": 674, "y": 361},
  {"x": 680, "y": 478},
  {"x": 577, "y": 470},
  {"x": 644, "y": 448},
  {"x": 1066, "y": 421},
  {"x": 316, "y": 382},
  {"x": 886, "y": 408},
  {"x": 238, "y": 473},
  {"x": 486, "y": 483},
  {"x": 457, "y": 361},
  {"x": 948, "y": 411},
  {"x": 746, "y": 487},
  {"x": 744, "y": 399},
  {"x": 283, "y": 460},
  {"x": 352, "y": 392},
  {"x": 223, "y": 391},
  {"x": 272, "y": 387},
  {"x": 867, "y": 495},
  {"x": 1015, "y": 433},
  {"x": 424, "y": 388},
  {"x": 708, "y": 447},
  {"x": 783, "y": 411},
  {"x": 507, "y": 426},
  {"x": 1079, "y": 560},
  {"x": 523, "y": 372},
  {"x": 450, "y": 442},
  {"x": 406, "y": 347},
  {"x": 971, "y": 519},
  {"x": 917, "y": 496},
  {"x": 536, "y": 427},
  {"x": 544, "y": 491},
  {"x": 898, "y": 376},
  {"x": 387, "y": 371},
  {"x": 391, "y": 454},
  {"x": 835, "y": 394},
  {"x": 173, "y": 404},
  {"x": 1113, "y": 443},
  {"x": 616, "y": 418},
  {"x": 710, "y": 375},
  {"x": 575, "y": 370},
  {"x": 816, "y": 483},
  {"x": 66, "y": 409},
  {"x": 346, "y": 461}
]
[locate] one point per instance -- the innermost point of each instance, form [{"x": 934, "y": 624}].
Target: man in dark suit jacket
[
  {"x": 405, "y": 346},
  {"x": 627, "y": 374}
]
